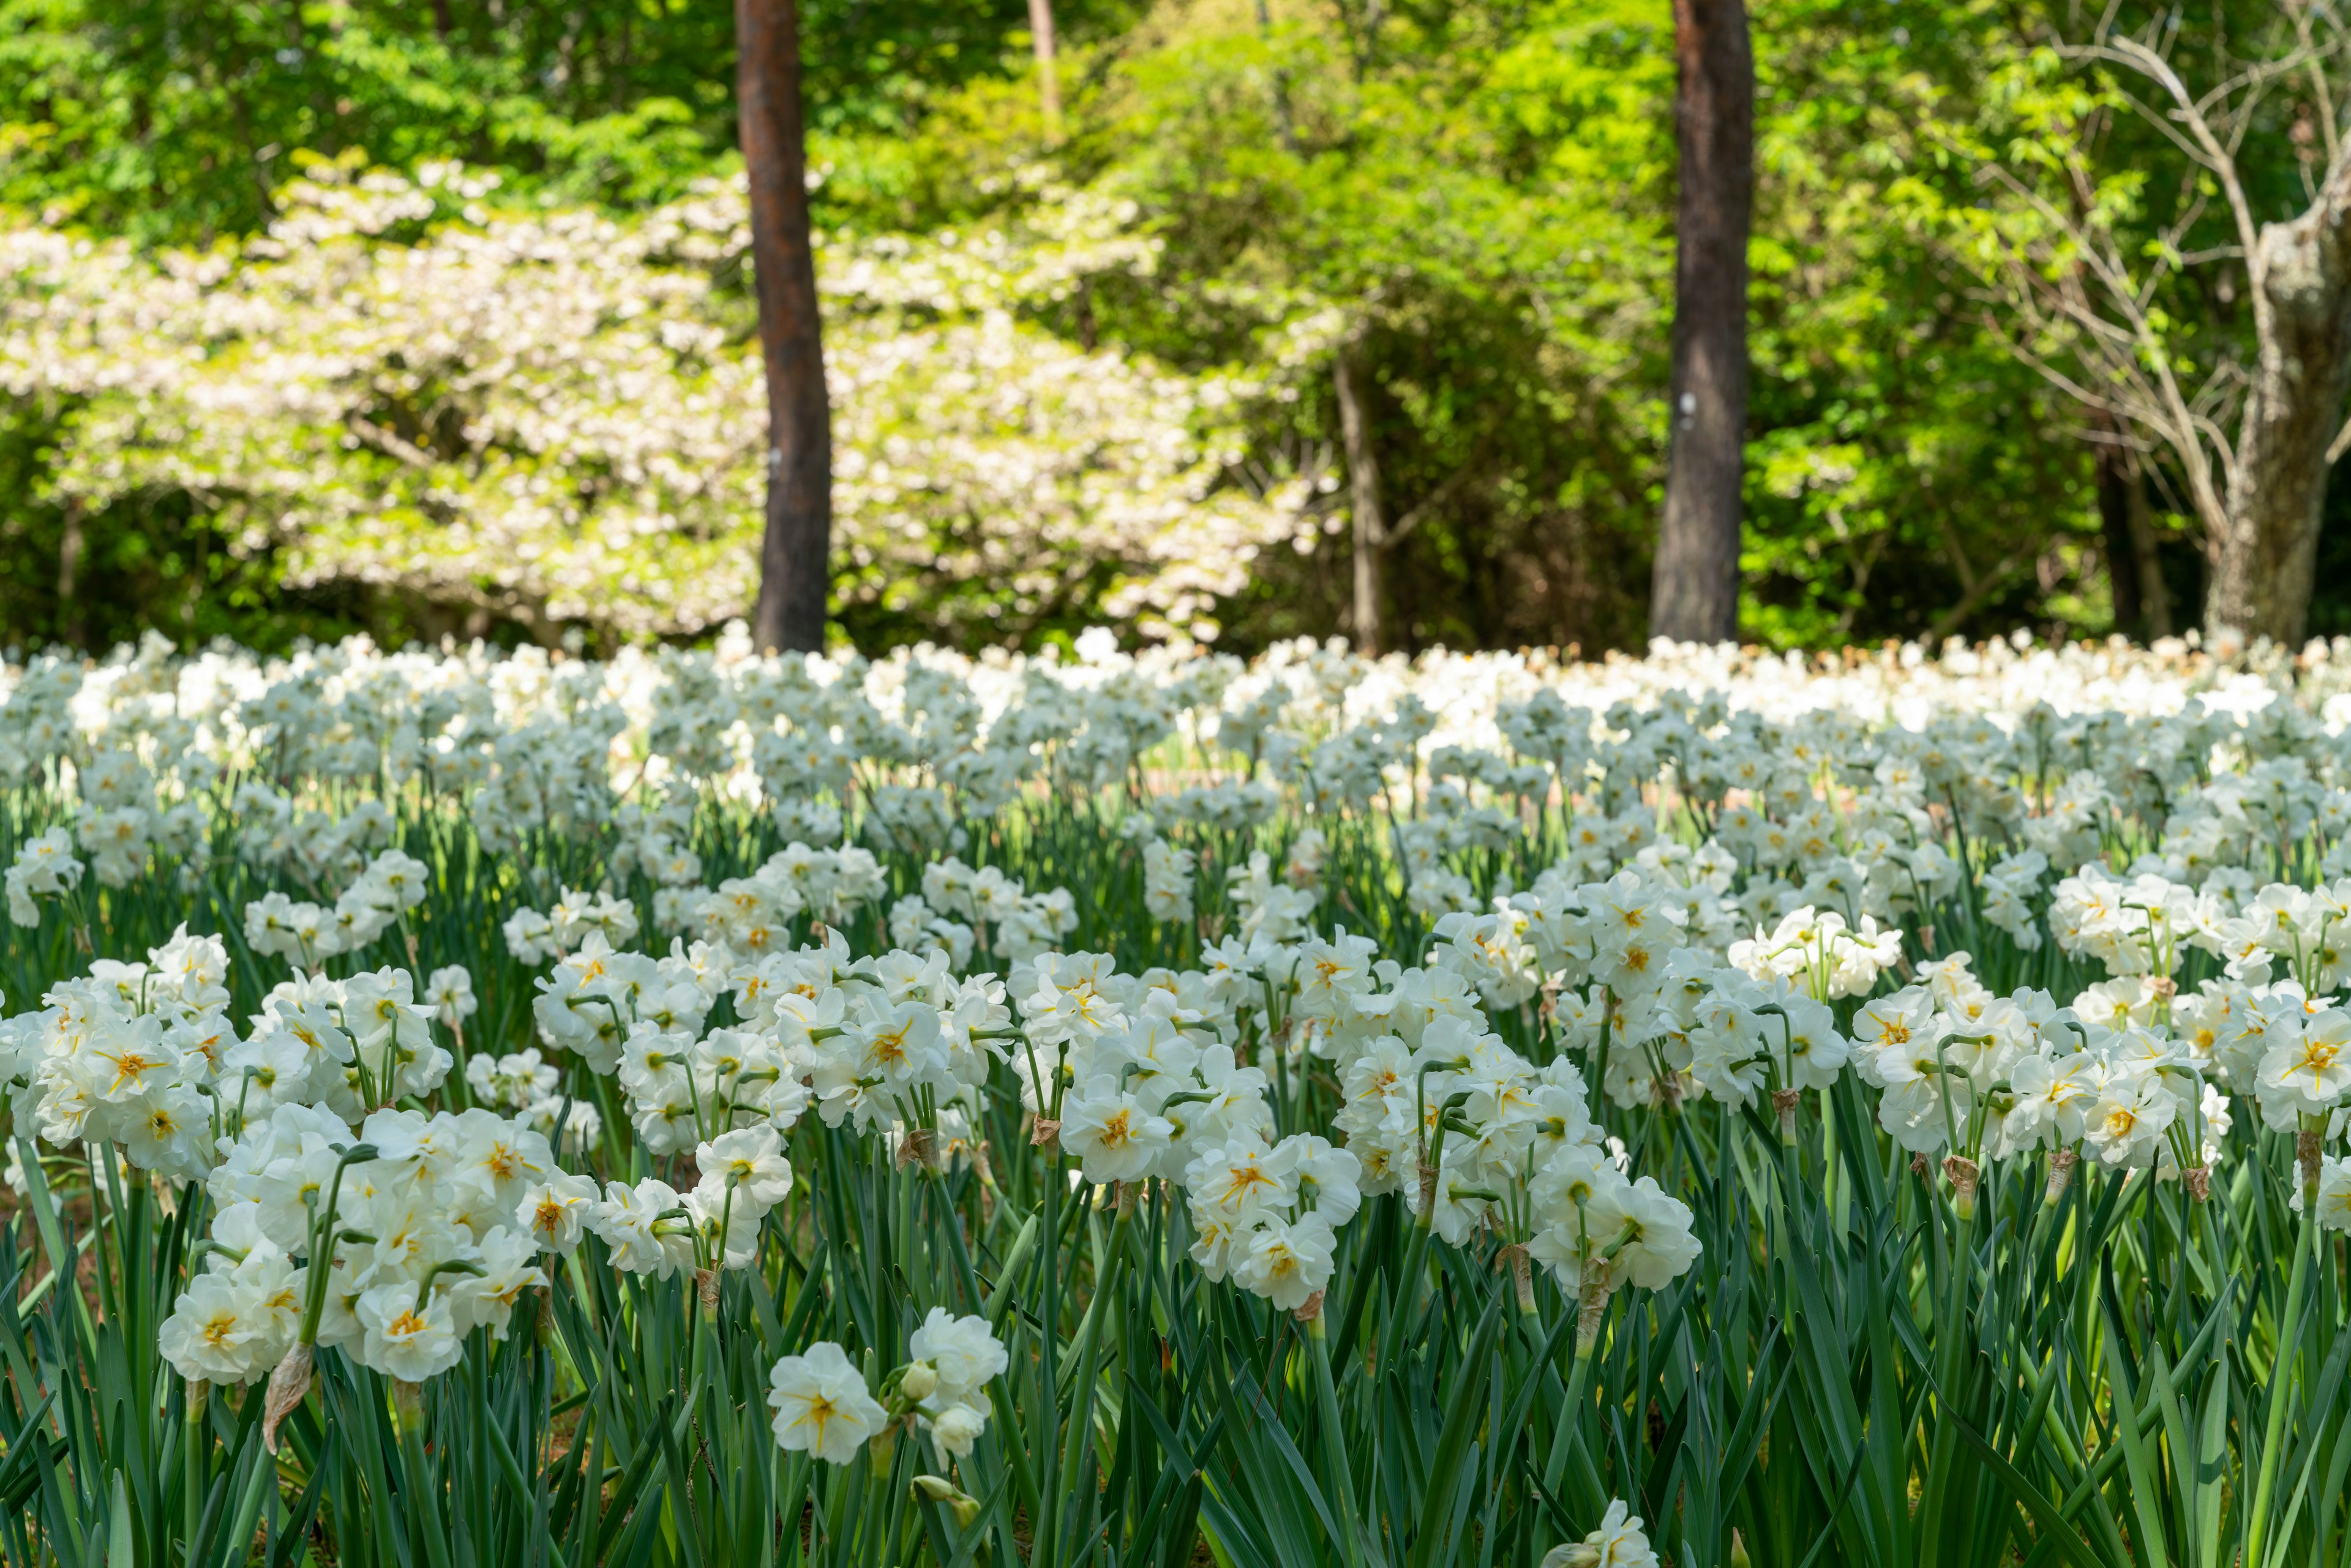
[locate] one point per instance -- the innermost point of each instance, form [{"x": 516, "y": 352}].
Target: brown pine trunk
[
  {"x": 1694, "y": 588},
  {"x": 795, "y": 551},
  {"x": 2268, "y": 547}
]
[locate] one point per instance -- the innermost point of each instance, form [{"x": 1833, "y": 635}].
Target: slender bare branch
[{"x": 2130, "y": 52}]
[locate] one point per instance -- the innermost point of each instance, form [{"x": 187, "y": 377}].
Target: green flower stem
[
  {"x": 2282, "y": 1374},
  {"x": 1340, "y": 1478}
]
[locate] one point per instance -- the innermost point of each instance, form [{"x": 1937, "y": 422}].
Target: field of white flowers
[{"x": 698, "y": 1109}]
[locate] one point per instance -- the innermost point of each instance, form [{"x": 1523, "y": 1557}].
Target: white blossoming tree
[{"x": 556, "y": 415}]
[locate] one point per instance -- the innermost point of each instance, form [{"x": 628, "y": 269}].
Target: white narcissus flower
[
  {"x": 1114, "y": 1136},
  {"x": 2334, "y": 1192},
  {"x": 1617, "y": 1544},
  {"x": 530, "y": 937},
  {"x": 556, "y": 1209},
  {"x": 821, "y": 1404},
  {"x": 130, "y": 1057},
  {"x": 209, "y": 1336},
  {"x": 1239, "y": 1181},
  {"x": 962, "y": 1350},
  {"x": 1167, "y": 878},
  {"x": 957, "y": 1427},
  {"x": 168, "y": 1130},
  {"x": 627, "y": 1222},
  {"x": 1332, "y": 1176},
  {"x": 403, "y": 1339},
  {"x": 2310, "y": 1068},
  {"x": 751, "y": 1161},
  {"x": 1462, "y": 1202},
  {"x": 450, "y": 993},
  {"x": 1650, "y": 1230},
  {"x": 2050, "y": 1098},
  {"x": 1287, "y": 1262},
  {"x": 727, "y": 1223},
  {"x": 488, "y": 1300},
  {"x": 1810, "y": 1045},
  {"x": 2128, "y": 1123}
]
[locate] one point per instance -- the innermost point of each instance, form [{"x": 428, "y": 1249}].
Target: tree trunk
[
  {"x": 1363, "y": 494},
  {"x": 1284, "y": 126},
  {"x": 794, "y": 555},
  {"x": 71, "y": 625},
  {"x": 2268, "y": 549},
  {"x": 1048, "y": 82},
  {"x": 1694, "y": 592},
  {"x": 2154, "y": 595},
  {"x": 2115, "y": 476}
]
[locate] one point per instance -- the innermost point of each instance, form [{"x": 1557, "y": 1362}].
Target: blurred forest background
[{"x": 1471, "y": 201}]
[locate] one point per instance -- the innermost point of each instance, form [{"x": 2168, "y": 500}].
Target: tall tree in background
[
  {"x": 1048, "y": 82},
  {"x": 2112, "y": 267},
  {"x": 1363, "y": 497},
  {"x": 794, "y": 554},
  {"x": 1694, "y": 588}
]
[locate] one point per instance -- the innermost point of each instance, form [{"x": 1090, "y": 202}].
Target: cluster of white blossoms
[
  {"x": 145, "y": 1056},
  {"x": 1481, "y": 1140},
  {"x": 1169, "y": 882},
  {"x": 594, "y": 1000},
  {"x": 321, "y": 849},
  {"x": 528, "y": 1087},
  {"x": 1826, "y": 807},
  {"x": 751, "y": 914},
  {"x": 1269, "y": 911},
  {"x": 45, "y": 867},
  {"x": 825, "y": 1409},
  {"x": 392, "y": 1243},
  {"x": 1648, "y": 985},
  {"x": 534, "y": 937},
  {"x": 131, "y": 1055},
  {"x": 392, "y": 884},
  {"x": 650, "y": 1227},
  {"x": 962, "y": 910},
  {"x": 1137, "y": 1076},
  {"x": 1267, "y": 1215},
  {"x": 1599, "y": 889},
  {"x": 114, "y": 812}
]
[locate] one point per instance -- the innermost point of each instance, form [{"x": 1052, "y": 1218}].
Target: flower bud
[
  {"x": 920, "y": 1381},
  {"x": 939, "y": 1490},
  {"x": 957, "y": 1428}
]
